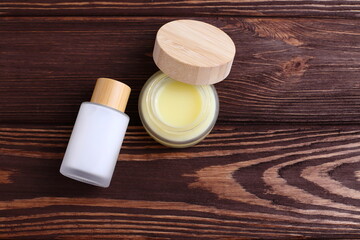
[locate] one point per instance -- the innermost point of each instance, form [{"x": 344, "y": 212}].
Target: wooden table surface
[{"x": 283, "y": 161}]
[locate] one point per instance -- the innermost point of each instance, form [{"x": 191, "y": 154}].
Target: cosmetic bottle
[
  {"x": 98, "y": 133},
  {"x": 179, "y": 105}
]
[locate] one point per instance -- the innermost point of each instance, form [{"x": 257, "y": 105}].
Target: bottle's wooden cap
[
  {"x": 111, "y": 93},
  {"x": 193, "y": 52}
]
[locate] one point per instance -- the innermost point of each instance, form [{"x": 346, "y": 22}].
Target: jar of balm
[{"x": 178, "y": 105}]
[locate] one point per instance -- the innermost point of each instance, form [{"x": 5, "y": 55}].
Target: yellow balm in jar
[
  {"x": 177, "y": 114},
  {"x": 178, "y": 106}
]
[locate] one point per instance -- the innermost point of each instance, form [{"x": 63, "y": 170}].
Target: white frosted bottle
[{"x": 98, "y": 133}]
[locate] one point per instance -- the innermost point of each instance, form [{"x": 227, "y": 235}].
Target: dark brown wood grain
[
  {"x": 287, "y": 181},
  {"x": 285, "y": 70},
  {"x": 281, "y": 163},
  {"x": 290, "y": 8}
]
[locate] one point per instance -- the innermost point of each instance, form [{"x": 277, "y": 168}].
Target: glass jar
[{"x": 177, "y": 118}]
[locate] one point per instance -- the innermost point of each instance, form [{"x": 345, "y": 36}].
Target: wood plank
[
  {"x": 249, "y": 181},
  {"x": 286, "y": 70},
  {"x": 278, "y": 8}
]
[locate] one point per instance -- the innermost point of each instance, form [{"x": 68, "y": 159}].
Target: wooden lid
[
  {"x": 193, "y": 52},
  {"x": 111, "y": 93}
]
